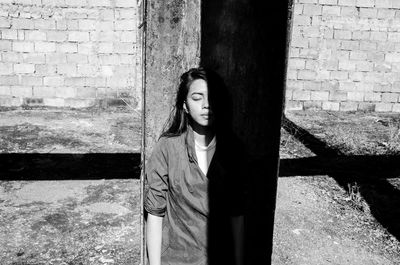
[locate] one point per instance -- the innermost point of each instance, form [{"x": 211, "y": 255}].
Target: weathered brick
[
  {"x": 5, "y": 45},
  {"x": 312, "y": 65},
  {"x": 10, "y": 102},
  {"x": 363, "y": 106},
  {"x": 53, "y": 81},
  {"x": 35, "y": 35},
  {"x": 382, "y": 67},
  {"x": 5, "y": 91},
  {"x": 87, "y": 92},
  {"x": 328, "y": 2},
  {"x": 339, "y": 75},
  {"x": 319, "y": 95},
  {"x": 9, "y": 34},
  {"x": 105, "y": 47},
  {"x": 379, "y": 36},
  {"x": 129, "y": 36},
  {"x": 367, "y": 45},
  {"x": 356, "y": 76},
  {"x": 368, "y": 12},
  {"x": 116, "y": 82},
  {"x": 122, "y": 48},
  {"x": 58, "y": 36},
  {"x": 87, "y": 24},
  {"x": 9, "y": 80},
  {"x": 376, "y": 56},
  {"x": 288, "y": 94},
  {"x": 75, "y": 3},
  {"x": 301, "y": 95},
  {"x": 306, "y": 75},
  {"x": 312, "y": 10},
  {"x": 364, "y": 66},
  {"x": 355, "y": 96},
  {"x": 396, "y": 108},
  {"x": 128, "y": 12},
  {"x": 312, "y": 105},
  {"x": 130, "y": 24},
  {"x": 385, "y": 13},
  {"x": 393, "y": 57},
  {"x": 65, "y": 92},
  {"x": 21, "y": 23},
  {"x": 74, "y": 81},
  {"x": 67, "y": 47},
  {"x": 42, "y": 46},
  {"x": 347, "y": 2},
  {"x": 348, "y": 106},
  {"x": 125, "y": 3},
  {"x": 31, "y": 80},
  {"x": 383, "y": 3},
  {"x": 394, "y": 36},
  {"x": 383, "y": 107},
  {"x": 347, "y": 11},
  {"x": 382, "y": 87},
  {"x": 332, "y": 106},
  {"x": 105, "y": 3},
  {"x": 299, "y": 42},
  {"x": 45, "y": 24},
  {"x": 293, "y": 105},
  {"x": 6, "y": 68},
  {"x": 395, "y": 3},
  {"x": 331, "y": 10},
  {"x": 45, "y": 69},
  {"x": 365, "y": 3},
  {"x": 67, "y": 69},
  {"x": 79, "y": 103},
  {"x": 22, "y": 46},
  {"x": 54, "y": 102},
  {"x": 374, "y": 77},
  {"x": 291, "y": 74},
  {"x": 5, "y": 23},
  {"x": 350, "y": 45},
  {"x": 347, "y": 65},
  {"x": 43, "y": 91},
  {"x": 56, "y": 58},
  {"x": 78, "y": 36},
  {"x": 21, "y": 91},
  {"x": 358, "y": 55},
  {"x": 308, "y": 1},
  {"x": 95, "y": 81},
  {"x": 24, "y": 68},
  {"x": 72, "y": 25},
  {"x": 373, "y": 96},
  {"x": 361, "y": 35},
  {"x": 304, "y": 53},
  {"x": 342, "y": 34},
  {"x": 108, "y": 14},
  {"x": 77, "y": 58},
  {"x": 390, "y": 97}
]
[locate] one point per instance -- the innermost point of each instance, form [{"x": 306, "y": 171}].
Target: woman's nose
[{"x": 206, "y": 103}]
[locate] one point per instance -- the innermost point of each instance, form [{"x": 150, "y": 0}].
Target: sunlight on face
[{"x": 197, "y": 104}]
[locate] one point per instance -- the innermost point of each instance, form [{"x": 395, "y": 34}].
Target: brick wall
[
  {"x": 68, "y": 53},
  {"x": 345, "y": 55}
]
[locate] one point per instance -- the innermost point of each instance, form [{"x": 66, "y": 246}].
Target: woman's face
[{"x": 197, "y": 103}]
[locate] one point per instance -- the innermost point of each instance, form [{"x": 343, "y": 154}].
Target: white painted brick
[
  {"x": 383, "y": 107},
  {"x": 75, "y": 3},
  {"x": 312, "y": 105},
  {"x": 337, "y": 95},
  {"x": 301, "y": 95},
  {"x": 35, "y": 35},
  {"x": 105, "y": 3},
  {"x": 393, "y": 57},
  {"x": 21, "y": 23},
  {"x": 291, "y": 74},
  {"x": 299, "y": 42},
  {"x": 373, "y": 97},
  {"x": 368, "y": 45},
  {"x": 107, "y": 70},
  {"x": 87, "y": 92},
  {"x": 72, "y": 25},
  {"x": 355, "y": 96},
  {"x": 394, "y": 36},
  {"x": 385, "y": 13},
  {"x": 21, "y": 91},
  {"x": 350, "y": 45},
  {"x": 54, "y": 102},
  {"x": 67, "y": 47},
  {"x": 356, "y": 76},
  {"x": 347, "y": 86},
  {"x": 358, "y": 55},
  {"x": 328, "y": 2},
  {"x": 5, "y": 23},
  {"x": 347, "y": 11},
  {"x": 123, "y": 48},
  {"x": 381, "y": 87},
  {"x": 105, "y": 25},
  {"x": 312, "y": 10},
  {"x": 105, "y": 47},
  {"x": 41, "y": 46},
  {"x": 395, "y": 3},
  {"x": 308, "y": 1},
  {"x": 67, "y": 69},
  {"x": 95, "y": 81},
  {"x": 128, "y": 36},
  {"x": 65, "y": 92},
  {"x": 77, "y": 58},
  {"x": 347, "y": 2},
  {"x": 74, "y": 81},
  {"x": 111, "y": 59},
  {"x": 79, "y": 103},
  {"x": 44, "y": 24},
  {"x": 5, "y": 45},
  {"x": 61, "y": 24},
  {"x": 86, "y": 69},
  {"x": 348, "y": 106},
  {"x": 53, "y": 81},
  {"x": 43, "y": 91},
  {"x": 58, "y": 36},
  {"x": 365, "y": 3},
  {"x": 56, "y": 58},
  {"x": 125, "y": 3},
  {"x": 45, "y": 69},
  {"x": 107, "y": 14},
  {"x": 116, "y": 82},
  {"x": 31, "y": 80},
  {"x": 383, "y": 3},
  {"x": 293, "y": 105},
  {"x": 319, "y": 95},
  {"x": 22, "y": 46},
  {"x": 390, "y": 97},
  {"x": 5, "y": 91},
  {"x": 332, "y": 106},
  {"x": 342, "y": 34},
  {"x": 347, "y": 65},
  {"x": 396, "y": 108},
  {"x": 331, "y": 10},
  {"x": 9, "y": 80},
  {"x": 339, "y": 75},
  {"x": 24, "y": 68},
  {"x": 78, "y": 36},
  {"x": 6, "y": 68},
  {"x": 306, "y": 75},
  {"x": 379, "y": 36},
  {"x": 87, "y": 24},
  {"x": 131, "y": 12},
  {"x": 9, "y": 34},
  {"x": 130, "y": 24},
  {"x": 368, "y": 12}
]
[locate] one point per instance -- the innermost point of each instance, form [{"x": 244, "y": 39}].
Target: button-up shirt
[{"x": 196, "y": 208}]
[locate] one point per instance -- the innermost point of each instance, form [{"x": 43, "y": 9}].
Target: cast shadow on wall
[
  {"x": 30, "y": 166},
  {"x": 370, "y": 172}
]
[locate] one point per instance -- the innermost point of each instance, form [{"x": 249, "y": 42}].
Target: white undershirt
[{"x": 204, "y": 154}]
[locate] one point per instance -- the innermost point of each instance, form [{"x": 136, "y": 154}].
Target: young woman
[{"x": 193, "y": 185}]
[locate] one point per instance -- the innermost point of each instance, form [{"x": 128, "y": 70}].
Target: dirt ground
[
  {"x": 69, "y": 188},
  {"x": 338, "y": 192}
]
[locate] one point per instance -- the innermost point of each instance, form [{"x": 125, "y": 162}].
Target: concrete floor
[{"x": 69, "y": 187}]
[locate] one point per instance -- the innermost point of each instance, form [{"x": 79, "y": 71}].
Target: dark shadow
[
  {"x": 369, "y": 172},
  {"x": 17, "y": 166}
]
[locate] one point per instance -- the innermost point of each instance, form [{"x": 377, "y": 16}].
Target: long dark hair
[{"x": 178, "y": 120}]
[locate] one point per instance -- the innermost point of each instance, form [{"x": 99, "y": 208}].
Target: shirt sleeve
[{"x": 156, "y": 180}]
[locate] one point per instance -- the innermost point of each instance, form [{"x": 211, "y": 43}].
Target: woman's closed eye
[{"x": 197, "y": 97}]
